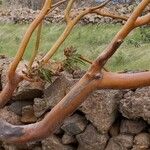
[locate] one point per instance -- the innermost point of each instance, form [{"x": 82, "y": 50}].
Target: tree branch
[
  {"x": 35, "y": 51},
  {"x": 70, "y": 24},
  {"x": 118, "y": 39},
  {"x": 143, "y": 20},
  {"x": 106, "y": 13},
  {"x": 23, "y": 134},
  {"x": 68, "y": 9},
  {"x": 9, "y": 89},
  {"x": 37, "y": 44},
  {"x": 124, "y": 80},
  {"x": 58, "y": 3},
  {"x": 103, "y": 4},
  {"x": 27, "y": 37},
  {"x": 14, "y": 78}
]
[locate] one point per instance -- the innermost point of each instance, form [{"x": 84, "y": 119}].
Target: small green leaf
[{"x": 46, "y": 74}]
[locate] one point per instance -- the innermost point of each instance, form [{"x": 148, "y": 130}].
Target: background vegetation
[{"x": 89, "y": 41}]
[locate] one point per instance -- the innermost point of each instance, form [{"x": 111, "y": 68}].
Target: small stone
[
  {"x": 58, "y": 131},
  {"x": 120, "y": 142},
  {"x": 100, "y": 108},
  {"x": 77, "y": 74},
  {"x": 68, "y": 139},
  {"x": 138, "y": 148},
  {"x": 37, "y": 148},
  {"x": 90, "y": 139},
  {"x": 9, "y": 116},
  {"x": 28, "y": 115},
  {"x": 74, "y": 125},
  {"x": 27, "y": 146},
  {"x": 54, "y": 143},
  {"x": 29, "y": 91},
  {"x": 4, "y": 64},
  {"x": 53, "y": 94},
  {"x": 132, "y": 126},
  {"x": 17, "y": 106},
  {"x": 136, "y": 105},
  {"x": 142, "y": 140},
  {"x": 40, "y": 106},
  {"x": 9, "y": 147},
  {"x": 115, "y": 129}
]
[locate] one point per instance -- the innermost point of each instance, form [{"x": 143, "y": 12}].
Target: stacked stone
[
  {"x": 107, "y": 120},
  {"x": 26, "y": 15}
]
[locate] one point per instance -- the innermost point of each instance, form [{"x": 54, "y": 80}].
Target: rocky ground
[
  {"x": 26, "y": 15},
  {"x": 107, "y": 120}
]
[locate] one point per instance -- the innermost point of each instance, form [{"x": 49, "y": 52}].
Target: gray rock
[
  {"x": 68, "y": 139},
  {"x": 132, "y": 126},
  {"x": 53, "y": 94},
  {"x": 4, "y": 64},
  {"x": 37, "y": 148},
  {"x": 142, "y": 141},
  {"x": 100, "y": 108},
  {"x": 16, "y": 106},
  {"x": 58, "y": 131},
  {"x": 136, "y": 104},
  {"x": 9, "y": 147},
  {"x": 27, "y": 146},
  {"x": 77, "y": 74},
  {"x": 29, "y": 91},
  {"x": 138, "y": 148},
  {"x": 90, "y": 139},
  {"x": 40, "y": 106},
  {"x": 120, "y": 142},
  {"x": 54, "y": 143},
  {"x": 74, "y": 125},
  {"x": 26, "y": 90},
  {"x": 9, "y": 116},
  {"x": 115, "y": 129},
  {"x": 28, "y": 115}
]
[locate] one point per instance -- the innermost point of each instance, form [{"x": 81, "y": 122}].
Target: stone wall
[
  {"x": 32, "y": 4},
  {"x": 107, "y": 120},
  {"x": 26, "y": 15}
]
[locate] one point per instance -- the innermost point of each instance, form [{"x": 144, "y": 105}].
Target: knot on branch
[
  {"x": 95, "y": 76},
  {"x": 98, "y": 76}
]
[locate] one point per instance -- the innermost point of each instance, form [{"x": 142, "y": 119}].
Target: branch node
[
  {"x": 98, "y": 76},
  {"x": 119, "y": 41}
]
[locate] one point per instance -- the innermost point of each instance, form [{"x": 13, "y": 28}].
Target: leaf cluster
[
  {"x": 45, "y": 74},
  {"x": 73, "y": 59}
]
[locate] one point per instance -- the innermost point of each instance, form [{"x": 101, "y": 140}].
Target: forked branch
[
  {"x": 118, "y": 39},
  {"x": 27, "y": 37},
  {"x": 70, "y": 25},
  {"x": 143, "y": 20},
  {"x": 37, "y": 44},
  {"x": 14, "y": 77},
  {"x": 72, "y": 22},
  {"x": 68, "y": 9}
]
